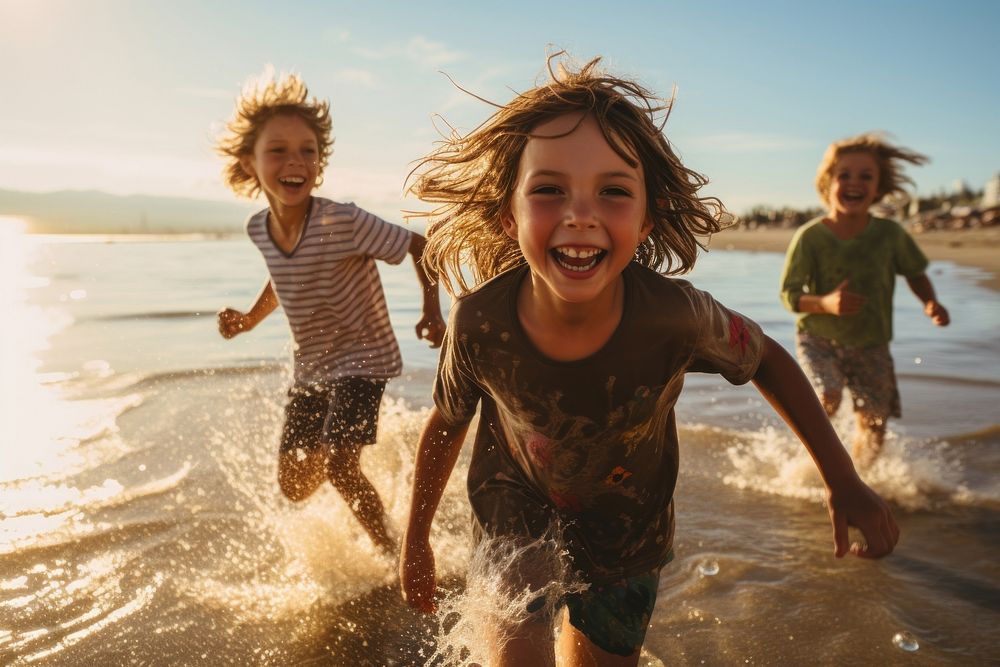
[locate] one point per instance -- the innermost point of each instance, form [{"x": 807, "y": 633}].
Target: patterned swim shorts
[
  {"x": 868, "y": 373},
  {"x": 344, "y": 412}
]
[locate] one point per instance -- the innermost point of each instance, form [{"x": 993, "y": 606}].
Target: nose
[
  {"x": 299, "y": 157},
  {"x": 580, "y": 213}
]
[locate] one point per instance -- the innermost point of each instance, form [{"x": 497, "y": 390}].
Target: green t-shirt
[
  {"x": 817, "y": 261},
  {"x": 589, "y": 444}
]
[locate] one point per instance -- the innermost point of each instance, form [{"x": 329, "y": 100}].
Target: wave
[
  {"x": 37, "y": 499},
  {"x": 139, "y": 381},
  {"x": 951, "y": 380},
  {"x": 914, "y": 474},
  {"x": 151, "y": 315}
]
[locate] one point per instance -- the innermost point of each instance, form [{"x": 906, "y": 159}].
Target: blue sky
[{"x": 125, "y": 96}]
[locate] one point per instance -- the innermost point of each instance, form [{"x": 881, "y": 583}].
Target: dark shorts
[
  {"x": 615, "y": 616},
  {"x": 344, "y": 412},
  {"x": 868, "y": 372}
]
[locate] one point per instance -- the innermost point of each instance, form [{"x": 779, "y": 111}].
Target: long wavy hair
[
  {"x": 888, "y": 158},
  {"x": 263, "y": 97},
  {"x": 472, "y": 178}
]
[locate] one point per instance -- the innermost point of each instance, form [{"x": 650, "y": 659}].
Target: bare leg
[
  {"x": 529, "y": 644},
  {"x": 301, "y": 471},
  {"x": 575, "y": 650},
  {"x": 344, "y": 470},
  {"x": 868, "y": 439}
]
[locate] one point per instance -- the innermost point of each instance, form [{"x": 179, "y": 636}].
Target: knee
[
  {"x": 293, "y": 486},
  {"x": 299, "y": 474}
]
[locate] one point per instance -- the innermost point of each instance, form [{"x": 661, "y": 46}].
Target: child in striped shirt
[{"x": 320, "y": 255}]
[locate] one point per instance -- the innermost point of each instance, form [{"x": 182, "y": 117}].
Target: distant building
[{"x": 991, "y": 193}]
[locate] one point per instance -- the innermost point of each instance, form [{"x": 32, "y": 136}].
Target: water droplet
[
  {"x": 918, "y": 360},
  {"x": 905, "y": 641},
  {"x": 708, "y": 568}
]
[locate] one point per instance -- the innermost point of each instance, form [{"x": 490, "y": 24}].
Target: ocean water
[{"x": 141, "y": 524}]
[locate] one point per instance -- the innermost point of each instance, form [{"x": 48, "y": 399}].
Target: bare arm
[
  {"x": 233, "y": 322},
  {"x": 840, "y": 301},
  {"x": 431, "y": 324},
  {"x": 437, "y": 453},
  {"x": 850, "y": 501},
  {"x": 924, "y": 290}
]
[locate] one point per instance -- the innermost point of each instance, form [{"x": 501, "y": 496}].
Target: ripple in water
[
  {"x": 708, "y": 568},
  {"x": 905, "y": 642}
]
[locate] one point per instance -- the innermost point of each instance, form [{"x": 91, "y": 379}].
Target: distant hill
[{"x": 94, "y": 212}]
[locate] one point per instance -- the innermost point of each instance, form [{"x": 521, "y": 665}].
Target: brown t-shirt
[{"x": 590, "y": 443}]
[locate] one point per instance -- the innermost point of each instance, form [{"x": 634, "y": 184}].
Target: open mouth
[
  {"x": 853, "y": 198},
  {"x": 578, "y": 259},
  {"x": 293, "y": 182}
]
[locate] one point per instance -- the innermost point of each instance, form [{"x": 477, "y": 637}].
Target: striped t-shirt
[{"x": 330, "y": 290}]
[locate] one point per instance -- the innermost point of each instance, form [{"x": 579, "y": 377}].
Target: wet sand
[{"x": 979, "y": 248}]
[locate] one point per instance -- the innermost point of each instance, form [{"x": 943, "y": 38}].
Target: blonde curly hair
[
  {"x": 262, "y": 98},
  {"x": 472, "y": 177},
  {"x": 888, "y": 158}
]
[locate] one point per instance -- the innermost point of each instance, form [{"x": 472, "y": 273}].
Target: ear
[
  {"x": 247, "y": 162},
  {"x": 644, "y": 231},
  {"x": 509, "y": 223}
]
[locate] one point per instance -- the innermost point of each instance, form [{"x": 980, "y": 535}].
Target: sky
[{"x": 126, "y": 96}]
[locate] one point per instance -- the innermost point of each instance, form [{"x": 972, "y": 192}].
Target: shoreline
[{"x": 978, "y": 248}]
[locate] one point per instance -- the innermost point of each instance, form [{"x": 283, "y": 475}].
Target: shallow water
[{"x": 140, "y": 522}]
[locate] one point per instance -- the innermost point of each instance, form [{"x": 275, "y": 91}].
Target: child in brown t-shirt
[{"x": 563, "y": 204}]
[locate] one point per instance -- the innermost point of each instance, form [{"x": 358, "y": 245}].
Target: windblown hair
[
  {"x": 263, "y": 98},
  {"x": 889, "y": 158},
  {"x": 472, "y": 177}
]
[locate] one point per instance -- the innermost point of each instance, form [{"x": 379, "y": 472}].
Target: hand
[
  {"x": 232, "y": 322},
  {"x": 431, "y": 329},
  {"x": 416, "y": 574},
  {"x": 937, "y": 313},
  {"x": 841, "y": 302},
  {"x": 857, "y": 505}
]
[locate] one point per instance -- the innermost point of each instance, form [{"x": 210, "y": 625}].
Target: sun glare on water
[{"x": 37, "y": 425}]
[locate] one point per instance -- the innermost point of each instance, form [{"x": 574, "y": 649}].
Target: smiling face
[
  {"x": 285, "y": 161},
  {"x": 578, "y": 210},
  {"x": 853, "y": 184}
]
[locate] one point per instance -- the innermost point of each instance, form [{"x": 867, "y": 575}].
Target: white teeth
[
  {"x": 293, "y": 180},
  {"x": 573, "y": 252},
  {"x": 578, "y": 269},
  {"x": 562, "y": 255}
]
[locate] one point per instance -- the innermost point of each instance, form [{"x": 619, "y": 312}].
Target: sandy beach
[{"x": 979, "y": 248}]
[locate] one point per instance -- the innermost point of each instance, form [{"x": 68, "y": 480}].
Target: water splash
[{"x": 475, "y": 623}]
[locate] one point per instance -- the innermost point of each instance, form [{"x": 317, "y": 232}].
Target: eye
[
  {"x": 546, "y": 190},
  {"x": 616, "y": 191}
]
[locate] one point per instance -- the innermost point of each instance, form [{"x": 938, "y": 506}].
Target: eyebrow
[{"x": 607, "y": 174}]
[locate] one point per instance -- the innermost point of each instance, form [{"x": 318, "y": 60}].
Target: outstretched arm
[
  {"x": 850, "y": 501},
  {"x": 232, "y": 322},
  {"x": 922, "y": 287},
  {"x": 437, "y": 453},
  {"x": 431, "y": 325}
]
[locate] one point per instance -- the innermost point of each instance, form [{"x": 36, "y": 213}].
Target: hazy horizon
[{"x": 110, "y": 97}]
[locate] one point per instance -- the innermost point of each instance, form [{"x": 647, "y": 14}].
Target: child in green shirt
[{"x": 839, "y": 276}]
